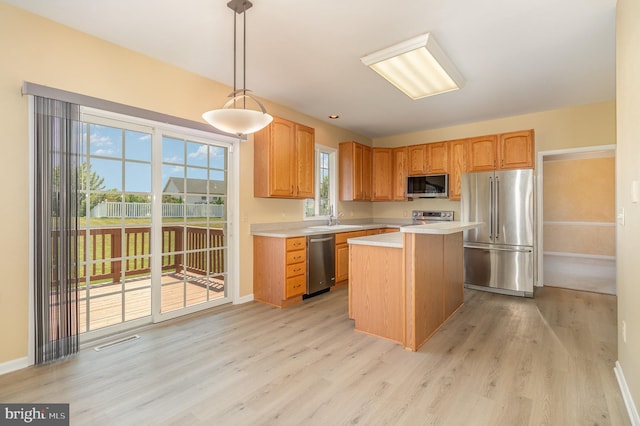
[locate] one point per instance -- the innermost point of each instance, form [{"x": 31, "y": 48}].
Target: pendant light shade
[
  {"x": 239, "y": 121},
  {"x": 234, "y": 117}
]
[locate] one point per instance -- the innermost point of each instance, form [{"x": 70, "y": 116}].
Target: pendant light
[{"x": 233, "y": 117}]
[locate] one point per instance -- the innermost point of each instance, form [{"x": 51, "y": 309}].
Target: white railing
[{"x": 108, "y": 209}]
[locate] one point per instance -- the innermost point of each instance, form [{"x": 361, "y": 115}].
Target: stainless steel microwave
[{"x": 428, "y": 186}]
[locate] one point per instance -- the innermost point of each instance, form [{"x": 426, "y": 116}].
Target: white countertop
[
  {"x": 394, "y": 239},
  {"x": 441, "y": 228},
  {"x": 390, "y": 239},
  {"x": 320, "y": 229}
]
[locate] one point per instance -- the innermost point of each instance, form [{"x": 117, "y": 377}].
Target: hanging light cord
[{"x": 244, "y": 58}]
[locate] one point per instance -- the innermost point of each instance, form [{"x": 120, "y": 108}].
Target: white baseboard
[
  {"x": 626, "y": 395},
  {"x": 13, "y": 365},
  {"x": 244, "y": 299}
]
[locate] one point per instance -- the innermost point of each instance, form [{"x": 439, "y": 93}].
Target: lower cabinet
[
  {"x": 342, "y": 250},
  {"x": 342, "y": 254},
  {"x": 279, "y": 270}
]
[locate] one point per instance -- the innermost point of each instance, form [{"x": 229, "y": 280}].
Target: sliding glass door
[
  {"x": 194, "y": 223},
  {"x": 152, "y": 223}
]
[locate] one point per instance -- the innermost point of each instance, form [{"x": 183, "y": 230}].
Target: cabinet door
[
  {"x": 457, "y": 166},
  {"x": 399, "y": 174},
  {"x": 417, "y": 160},
  {"x": 342, "y": 262},
  {"x": 481, "y": 153},
  {"x": 437, "y": 157},
  {"x": 367, "y": 173},
  {"x": 305, "y": 160},
  {"x": 382, "y": 164},
  {"x": 516, "y": 150}
]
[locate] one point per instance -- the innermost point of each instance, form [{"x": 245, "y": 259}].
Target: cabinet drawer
[
  {"x": 296, "y": 269},
  {"x": 342, "y": 237},
  {"x": 296, "y": 256},
  {"x": 295, "y": 286},
  {"x": 296, "y": 243}
]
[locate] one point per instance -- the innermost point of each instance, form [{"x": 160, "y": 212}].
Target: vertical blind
[{"x": 57, "y": 131}]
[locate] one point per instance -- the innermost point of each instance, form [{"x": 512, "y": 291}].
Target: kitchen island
[{"x": 403, "y": 286}]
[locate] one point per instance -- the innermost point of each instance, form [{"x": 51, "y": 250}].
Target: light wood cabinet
[
  {"x": 417, "y": 160},
  {"x": 428, "y": 158},
  {"x": 383, "y": 174},
  {"x": 279, "y": 270},
  {"x": 399, "y": 181},
  {"x": 437, "y": 157},
  {"x": 354, "y": 171},
  {"x": 457, "y": 166},
  {"x": 342, "y": 254},
  {"x": 367, "y": 172},
  {"x": 516, "y": 150},
  {"x": 481, "y": 152},
  {"x": 284, "y": 160}
]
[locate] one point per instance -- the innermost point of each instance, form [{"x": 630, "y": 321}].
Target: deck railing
[{"x": 184, "y": 249}]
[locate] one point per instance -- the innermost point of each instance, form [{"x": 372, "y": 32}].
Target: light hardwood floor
[{"x": 500, "y": 360}]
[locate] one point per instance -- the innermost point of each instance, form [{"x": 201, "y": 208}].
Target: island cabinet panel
[
  {"x": 453, "y": 273},
  {"x": 376, "y": 291},
  {"x": 425, "y": 292},
  {"x": 279, "y": 270}
]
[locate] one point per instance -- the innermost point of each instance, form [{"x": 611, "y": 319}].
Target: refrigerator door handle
[
  {"x": 490, "y": 208},
  {"x": 497, "y": 208},
  {"x": 492, "y": 248}
]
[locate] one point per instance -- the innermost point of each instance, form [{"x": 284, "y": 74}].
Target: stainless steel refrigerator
[{"x": 499, "y": 256}]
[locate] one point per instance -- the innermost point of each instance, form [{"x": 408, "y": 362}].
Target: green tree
[{"x": 89, "y": 181}]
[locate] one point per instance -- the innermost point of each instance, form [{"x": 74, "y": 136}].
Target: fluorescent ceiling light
[{"x": 418, "y": 67}]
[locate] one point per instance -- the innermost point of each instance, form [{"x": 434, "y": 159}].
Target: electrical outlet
[
  {"x": 624, "y": 331},
  {"x": 405, "y": 213}
]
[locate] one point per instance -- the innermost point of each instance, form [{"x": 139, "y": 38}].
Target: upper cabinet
[
  {"x": 516, "y": 150},
  {"x": 437, "y": 157},
  {"x": 399, "y": 180},
  {"x": 354, "y": 171},
  {"x": 383, "y": 175},
  {"x": 428, "y": 158},
  {"x": 417, "y": 160},
  {"x": 481, "y": 152},
  {"x": 499, "y": 152},
  {"x": 284, "y": 160},
  {"x": 457, "y": 166},
  {"x": 380, "y": 174}
]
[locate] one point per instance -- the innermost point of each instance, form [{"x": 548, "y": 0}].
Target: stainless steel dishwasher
[{"x": 321, "y": 263}]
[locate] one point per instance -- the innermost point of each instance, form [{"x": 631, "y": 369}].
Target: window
[{"x": 325, "y": 199}]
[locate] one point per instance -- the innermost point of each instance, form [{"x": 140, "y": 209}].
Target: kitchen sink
[{"x": 332, "y": 227}]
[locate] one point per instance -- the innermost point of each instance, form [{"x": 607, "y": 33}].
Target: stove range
[{"x": 422, "y": 217}]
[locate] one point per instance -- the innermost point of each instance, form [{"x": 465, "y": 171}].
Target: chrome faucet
[{"x": 333, "y": 219}]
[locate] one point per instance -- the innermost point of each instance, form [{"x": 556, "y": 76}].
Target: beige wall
[
  {"x": 587, "y": 125},
  {"x": 580, "y": 190},
  {"x": 41, "y": 51},
  {"x": 628, "y": 170}
]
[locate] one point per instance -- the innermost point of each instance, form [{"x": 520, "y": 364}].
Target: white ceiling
[{"x": 517, "y": 56}]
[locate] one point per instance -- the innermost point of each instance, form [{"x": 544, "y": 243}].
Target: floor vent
[{"x": 116, "y": 342}]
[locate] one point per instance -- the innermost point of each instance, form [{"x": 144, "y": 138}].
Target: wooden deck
[{"x": 107, "y": 301}]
